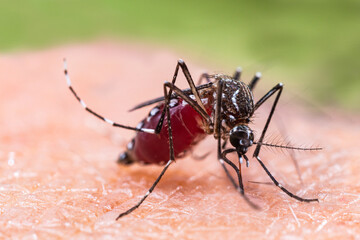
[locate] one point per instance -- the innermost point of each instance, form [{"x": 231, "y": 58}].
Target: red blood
[{"x": 187, "y": 129}]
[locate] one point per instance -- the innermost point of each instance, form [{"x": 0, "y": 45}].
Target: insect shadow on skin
[{"x": 222, "y": 106}]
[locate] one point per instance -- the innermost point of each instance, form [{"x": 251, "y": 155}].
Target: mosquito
[{"x": 222, "y": 106}]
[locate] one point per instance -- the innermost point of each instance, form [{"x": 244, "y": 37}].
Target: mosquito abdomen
[{"x": 147, "y": 148}]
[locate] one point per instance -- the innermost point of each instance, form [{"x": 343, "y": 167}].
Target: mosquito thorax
[
  {"x": 241, "y": 137},
  {"x": 237, "y": 101}
]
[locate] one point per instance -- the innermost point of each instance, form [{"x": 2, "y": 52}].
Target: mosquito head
[{"x": 241, "y": 137}]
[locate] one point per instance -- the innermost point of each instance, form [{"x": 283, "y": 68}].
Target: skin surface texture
[{"x": 59, "y": 177}]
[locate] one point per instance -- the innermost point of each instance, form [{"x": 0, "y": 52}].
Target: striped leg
[{"x": 114, "y": 124}]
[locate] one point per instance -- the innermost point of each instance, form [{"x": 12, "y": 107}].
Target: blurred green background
[{"x": 311, "y": 45}]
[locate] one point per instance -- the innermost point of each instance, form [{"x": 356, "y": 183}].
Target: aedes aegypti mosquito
[{"x": 223, "y": 107}]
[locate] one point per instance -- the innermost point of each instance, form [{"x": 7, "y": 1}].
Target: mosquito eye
[{"x": 238, "y": 138}]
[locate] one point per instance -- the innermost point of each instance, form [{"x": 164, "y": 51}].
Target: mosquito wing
[{"x": 160, "y": 99}]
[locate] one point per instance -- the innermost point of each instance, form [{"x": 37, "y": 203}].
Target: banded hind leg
[{"x": 114, "y": 124}]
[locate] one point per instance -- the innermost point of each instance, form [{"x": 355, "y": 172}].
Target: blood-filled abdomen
[{"x": 187, "y": 130}]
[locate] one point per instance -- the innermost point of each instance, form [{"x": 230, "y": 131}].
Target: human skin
[{"x": 59, "y": 177}]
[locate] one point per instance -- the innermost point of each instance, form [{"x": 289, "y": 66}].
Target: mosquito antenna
[{"x": 290, "y": 147}]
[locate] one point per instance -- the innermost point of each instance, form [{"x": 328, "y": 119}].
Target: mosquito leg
[
  {"x": 217, "y": 118},
  {"x": 279, "y": 88},
  {"x": 282, "y": 188},
  {"x": 237, "y": 74},
  {"x": 148, "y": 192},
  {"x": 194, "y": 91},
  {"x": 255, "y": 79},
  {"x": 171, "y": 156},
  {"x": 224, "y": 167},
  {"x": 202, "y": 77},
  {"x": 217, "y": 131},
  {"x": 240, "y": 188},
  {"x": 167, "y": 109},
  {"x": 114, "y": 124}
]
